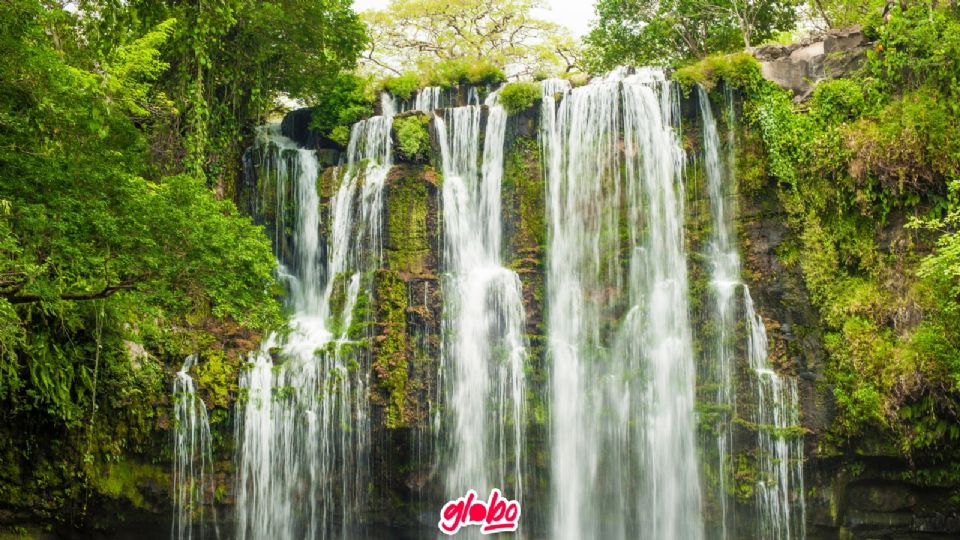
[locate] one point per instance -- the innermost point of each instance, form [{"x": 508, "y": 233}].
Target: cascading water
[
  {"x": 428, "y": 99},
  {"x": 622, "y": 369},
  {"x": 779, "y": 493},
  {"x": 623, "y": 452},
  {"x": 192, "y": 457},
  {"x": 724, "y": 262},
  {"x": 483, "y": 322},
  {"x": 780, "y": 500},
  {"x": 303, "y": 438}
]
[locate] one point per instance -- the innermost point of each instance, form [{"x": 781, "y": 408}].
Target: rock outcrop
[{"x": 798, "y": 67}]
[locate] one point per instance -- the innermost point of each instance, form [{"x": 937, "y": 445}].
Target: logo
[{"x": 496, "y": 516}]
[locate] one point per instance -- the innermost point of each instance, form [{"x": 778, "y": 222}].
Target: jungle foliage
[
  {"x": 655, "y": 32},
  {"x": 869, "y": 174},
  {"x": 120, "y": 126}
]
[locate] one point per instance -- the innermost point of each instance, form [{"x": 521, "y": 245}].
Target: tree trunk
[{"x": 823, "y": 13}]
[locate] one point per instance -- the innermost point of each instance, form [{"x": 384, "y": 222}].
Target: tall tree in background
[
  {"x": 413, "y": 34},
  {"x": 662, "y": 32},
  {"x": 229, "y": 60}
]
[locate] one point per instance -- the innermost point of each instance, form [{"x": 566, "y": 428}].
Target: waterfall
[
  {"x": 428, "y": 99},
  {"x": 192, "y": 457},
  {"x": 780, "y": 499},
  {"x": 484, "y": 348},
  {"x": 303, "y": 433},
  {"x": 779, "y": 491},
  {"x": 622, "y": 369},
  {"x": 724, "y": 263}
]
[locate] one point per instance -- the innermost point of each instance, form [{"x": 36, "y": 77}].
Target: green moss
[
  {"x": 408, "y": 236},
  {"x": 413, "y": 137},
  {"x": 390, "y": 363},
  {"x": 217, "y": 377},
  {"x": 744, "y": 478},
  {"x": 519, "y": 96},
  {"x": 128, "y": 480},
  {"x": 789, "y": 432},
  {"x": 522, "y": 176},
  {"x": 362, "y": 316}
]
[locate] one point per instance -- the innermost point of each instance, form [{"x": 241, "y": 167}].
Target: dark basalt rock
[{"x": 296, "y": 126}]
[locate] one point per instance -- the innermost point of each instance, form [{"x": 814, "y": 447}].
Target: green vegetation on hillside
[
  {"x": 121, "y": 127},
  {"x": 665, "y": 32},
  {"x": 869, "y": 174}
]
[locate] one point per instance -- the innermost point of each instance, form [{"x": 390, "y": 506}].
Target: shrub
[
  {"x": 518, "y": 96},
  {"x": 404, "y": 86},
  {"x": 340, "y": 135},
  {"x": 413, "y": 138},
  {"x": 840, "y": 100},
  {"x": 740, "y": 70},
  {"x": 341, "y": 104},
  {"x": 471, "y": 72}
]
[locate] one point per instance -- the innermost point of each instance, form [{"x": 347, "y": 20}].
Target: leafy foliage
[
  {"x": 519, "y": 96},
  {"x": 413, "y": 139},
  {"x": 461, "y": 71},
  {"x": 115, "y": 259},
  {"x": 228, "y": 63},
  {"x": 739, "y": 70},
  {"x": 445, "y": 74},
  {"x": 862, "y": 158},
  {"x": 846, "y": 13},
  {"x": 345, "y": 101},
  {"x": 413, "y": 35},
  {"x": 403, "y": 86},
  {"x": 642, "y": 32}
]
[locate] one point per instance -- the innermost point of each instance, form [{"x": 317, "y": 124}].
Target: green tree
[
  {"x": 229, "y": 61},
  {"x": 415, "y": 34},
  {"x": 665, "y": 32},
  {"x": 99, "y": 249},
  {"x": 846, "y": 13}
]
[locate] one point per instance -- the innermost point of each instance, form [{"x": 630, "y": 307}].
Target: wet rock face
[
  {"x": 800, "y": 66},
  {"x": 870, "y": 504},
  {"x": 296, "y": 127}
]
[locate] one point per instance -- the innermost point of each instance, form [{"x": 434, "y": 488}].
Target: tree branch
[{"x": 105, "y": 293}]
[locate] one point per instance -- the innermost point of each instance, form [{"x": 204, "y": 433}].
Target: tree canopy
[
  {"x": 655, "y": 32},
  {"x": 120, "y": 126},
  {"x": 414, "y": 34},
  {"x": 228, "y": 62}
]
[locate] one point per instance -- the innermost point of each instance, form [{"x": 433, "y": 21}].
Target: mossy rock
[
  {"x": 390, "y": 354},
  {"x": 410, "y": 203}
]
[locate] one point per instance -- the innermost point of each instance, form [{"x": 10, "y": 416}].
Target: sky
[{"x": 574, "y": 14}]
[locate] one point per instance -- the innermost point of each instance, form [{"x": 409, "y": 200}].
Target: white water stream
[
  {"x": 484, "y": 348},
  {"x": 779, "y": 490},
  {"x": 192, "y": 458},
  {"x": 304, "y": 436},
  {"x": 622, "y": 368}
]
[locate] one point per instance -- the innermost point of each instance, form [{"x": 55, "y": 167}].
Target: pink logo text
[{"x": 495, "y": 516}]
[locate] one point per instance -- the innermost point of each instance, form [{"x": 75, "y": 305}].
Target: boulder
[{"x": 798, "y": 67}]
